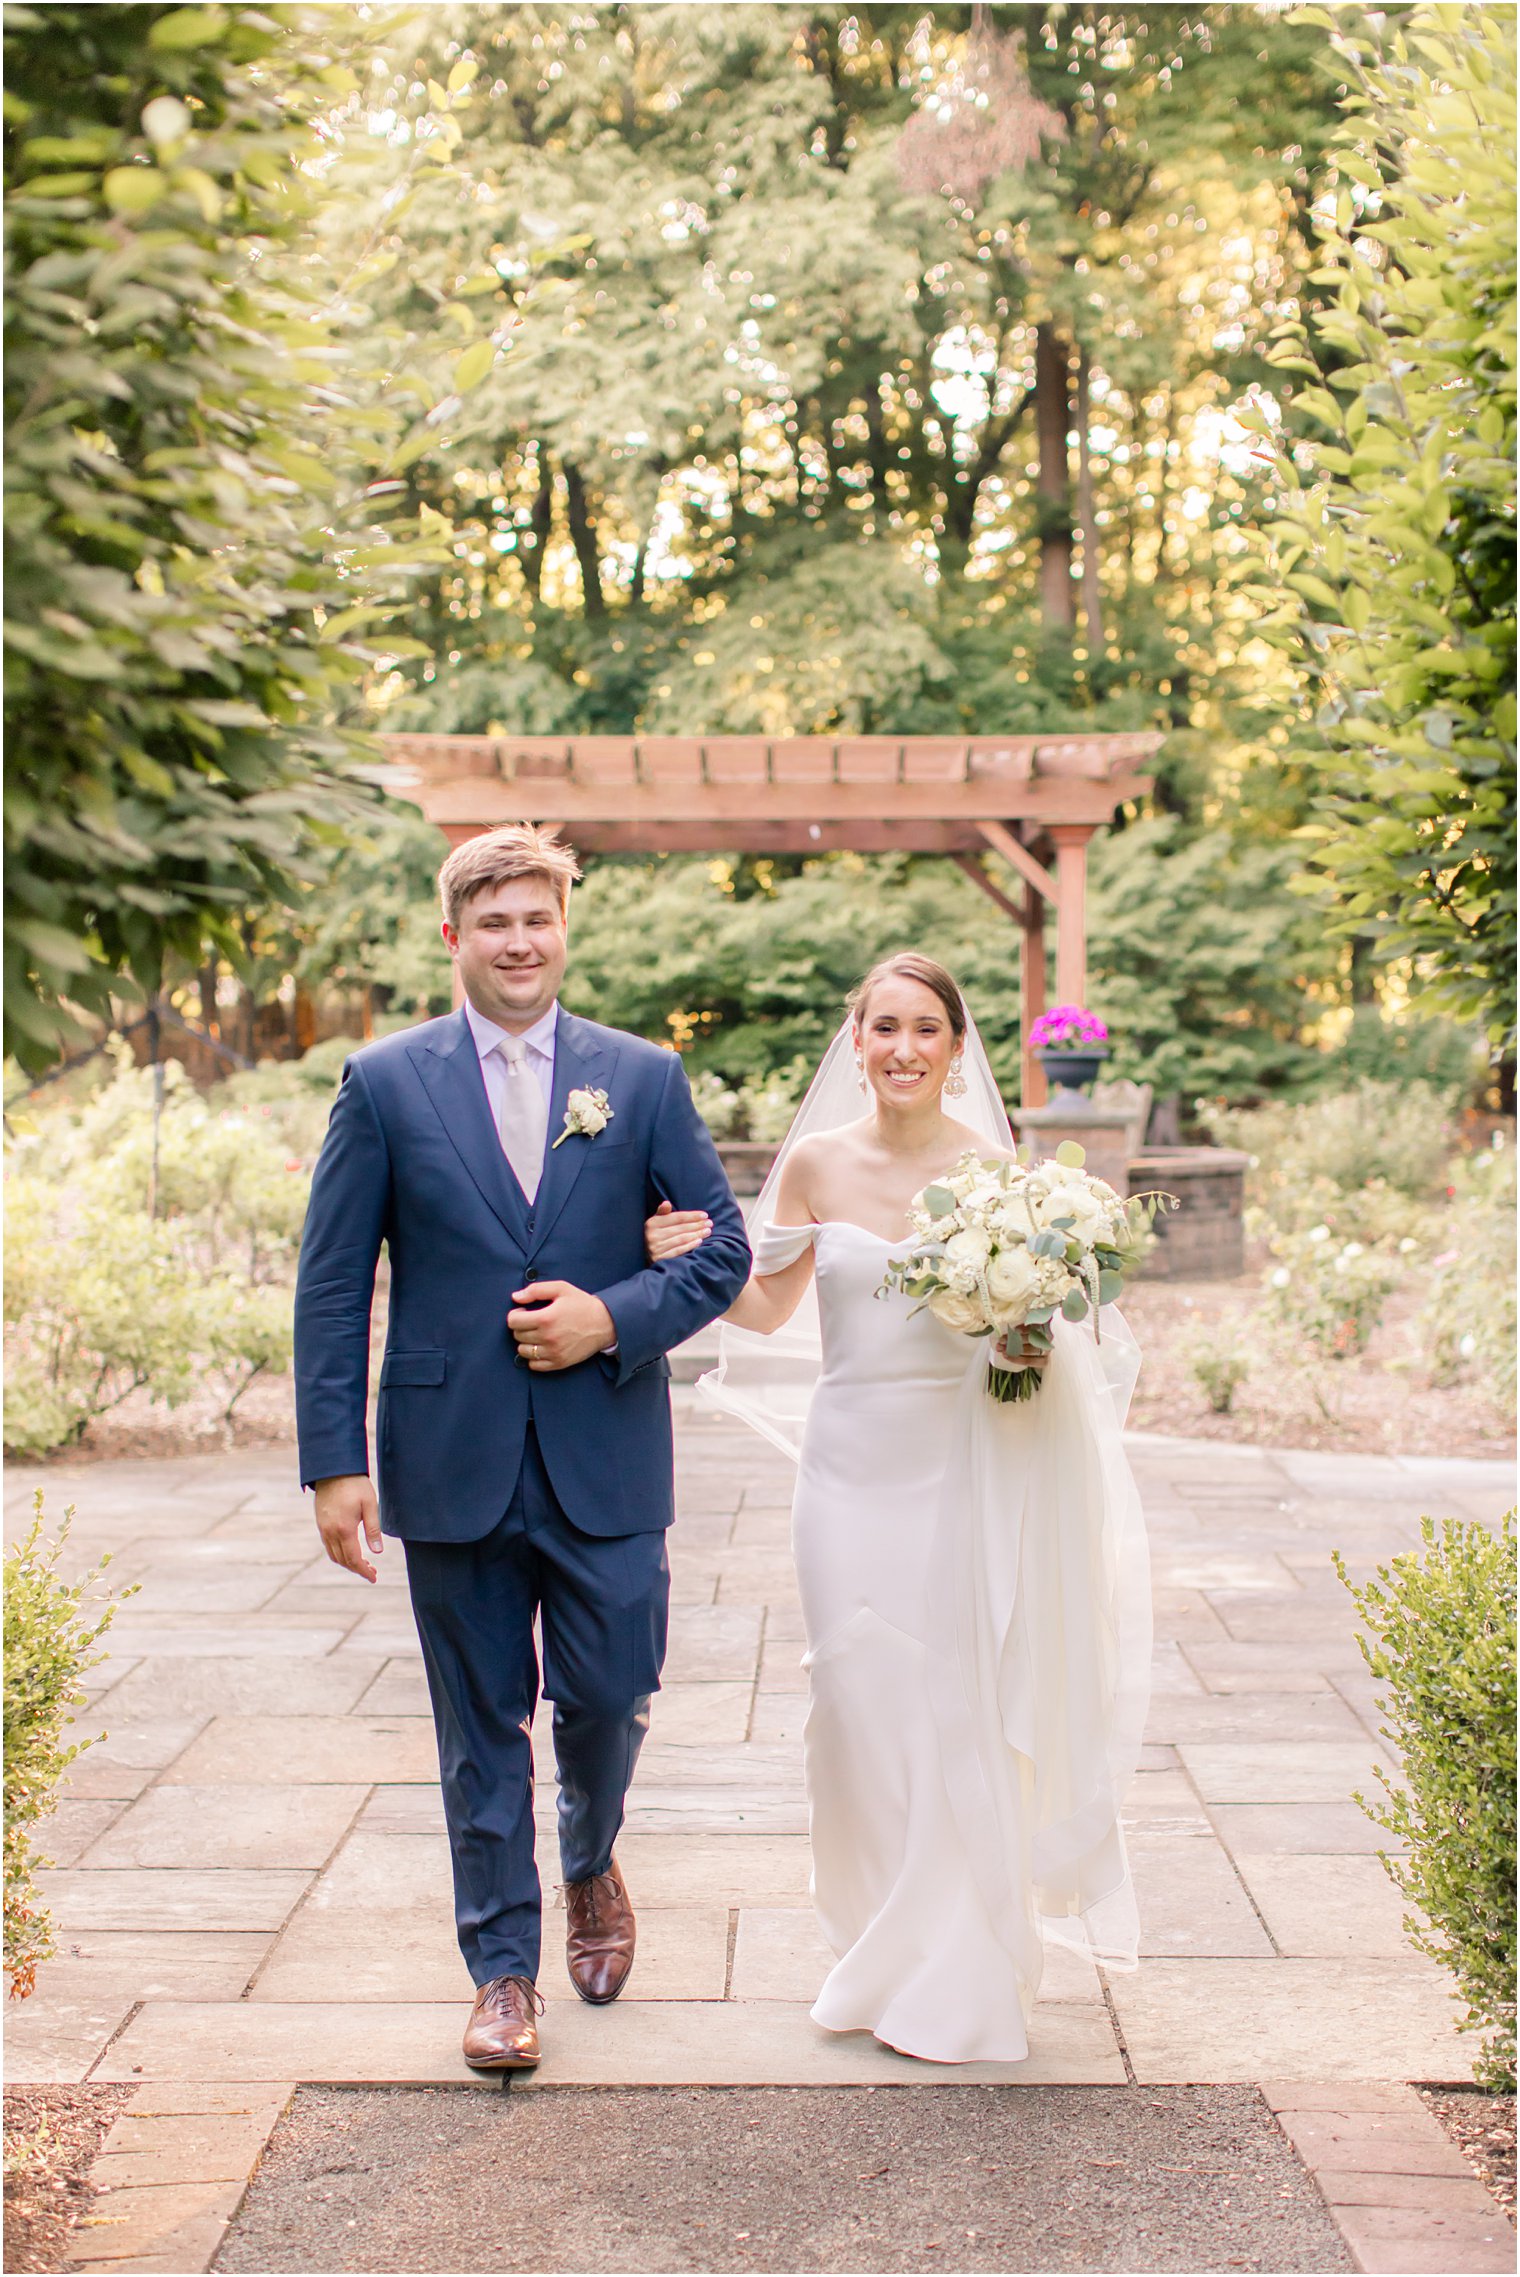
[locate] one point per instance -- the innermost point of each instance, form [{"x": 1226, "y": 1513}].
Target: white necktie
[{"x": 524, "y": 1116}]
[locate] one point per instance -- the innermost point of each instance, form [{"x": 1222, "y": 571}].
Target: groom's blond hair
[{"x": 513, "y": 850}]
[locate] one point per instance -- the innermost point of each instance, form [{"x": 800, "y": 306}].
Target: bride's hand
[
  {"x": 1015, "y": 1346},
  {"x": 671, "y": 1232}
]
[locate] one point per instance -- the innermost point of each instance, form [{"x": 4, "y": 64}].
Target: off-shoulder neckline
[{"x": 817, "y": 1225}]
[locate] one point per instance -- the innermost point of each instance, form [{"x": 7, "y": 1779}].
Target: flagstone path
[{"x": 251, "y": 1881}]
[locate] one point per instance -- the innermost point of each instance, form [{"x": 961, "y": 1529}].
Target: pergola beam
[
  {"x": 1013, "y": 850},
  {"x": 994, "y": 892}
]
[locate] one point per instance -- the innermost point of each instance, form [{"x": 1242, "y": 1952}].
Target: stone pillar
[{"x": 1103, "y": 1134}]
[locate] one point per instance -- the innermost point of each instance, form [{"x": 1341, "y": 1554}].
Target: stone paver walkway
[{"x": 252, "y": 1884}]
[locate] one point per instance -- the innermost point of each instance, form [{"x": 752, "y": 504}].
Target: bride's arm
[{"x": 768, "y": 1300}]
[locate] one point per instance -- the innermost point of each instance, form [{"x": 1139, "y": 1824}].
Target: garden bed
[
  {"x": 1483, "y": 2129},
  {"x": 1381, "y": 1401},
  {"x": 51, "y": 2137}
]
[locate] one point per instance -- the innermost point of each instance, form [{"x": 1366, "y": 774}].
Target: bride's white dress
[{"x": 977, "y": 1616}]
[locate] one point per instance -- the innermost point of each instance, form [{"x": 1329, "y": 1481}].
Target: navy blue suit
[{"x": 514, "y": 1493}]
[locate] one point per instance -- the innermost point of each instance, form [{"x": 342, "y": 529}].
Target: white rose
[
  {"x": 1014, "y": 1282},
  {"x": 961, "y": 1313},
  {"x": 588, "y": 1115}
]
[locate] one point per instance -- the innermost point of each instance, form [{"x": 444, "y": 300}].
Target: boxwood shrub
[{"x": 1441, "y": 1636}]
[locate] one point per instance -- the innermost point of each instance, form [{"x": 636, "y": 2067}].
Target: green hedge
[
  {"x": 1442, "y": 1638},
  {"x": 50, "y": 1635}
]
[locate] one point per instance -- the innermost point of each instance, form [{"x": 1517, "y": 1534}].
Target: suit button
[{"x": 530, "y": 1273}]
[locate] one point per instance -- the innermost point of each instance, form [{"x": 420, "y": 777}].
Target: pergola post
[
  {"x": 1070, "y": 841},
  {"x": 1032, "y": 1086}
]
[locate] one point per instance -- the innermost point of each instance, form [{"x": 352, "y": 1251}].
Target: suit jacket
[{"x": 412, "y": 1159}]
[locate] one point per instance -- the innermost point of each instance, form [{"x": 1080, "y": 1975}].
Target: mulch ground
[
  {"x": 1483, "y": 2128},
  {"x": 1381, "y": 1402},
  {"x": 51, "y": 2137}
]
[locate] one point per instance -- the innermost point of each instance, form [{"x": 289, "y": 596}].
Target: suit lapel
[
  {"x": 581, "y": 1062},
  {"x": 450, "y": 1071}
]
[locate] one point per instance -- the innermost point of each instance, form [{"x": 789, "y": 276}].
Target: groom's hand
[
  {"x": 348, "y": 1516},
  {"x": 558, "y": 1325}
]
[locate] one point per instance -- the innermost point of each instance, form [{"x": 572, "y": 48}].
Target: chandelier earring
[
  {"x": 955, "y": 1082},
  {"x": 860, "y": 1071}
]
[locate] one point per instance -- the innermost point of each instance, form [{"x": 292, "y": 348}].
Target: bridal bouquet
[{"x": 999, "y": 1248}]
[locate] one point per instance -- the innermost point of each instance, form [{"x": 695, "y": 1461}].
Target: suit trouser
[{"x": 602, "y": 1604}]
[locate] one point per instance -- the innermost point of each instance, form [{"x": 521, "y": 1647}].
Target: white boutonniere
[{"x": 587, "y": 1114}]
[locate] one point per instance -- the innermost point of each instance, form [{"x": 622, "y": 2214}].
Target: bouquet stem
[{"x": 1012, "y": 1383}]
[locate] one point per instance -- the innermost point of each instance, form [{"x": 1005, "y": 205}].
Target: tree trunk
[
  {"x": 1052, "y": 383},
  {"x": 540, "y": 525},
  {"x": 1092, "y": 590},
  {"x": 583, "y": 538}
]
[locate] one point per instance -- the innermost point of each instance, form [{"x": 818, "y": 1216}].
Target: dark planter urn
[{"x": 1070, "y": 1072}]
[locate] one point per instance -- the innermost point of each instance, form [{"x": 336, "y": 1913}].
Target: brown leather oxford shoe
[
  {"x": 599, "y": 1935},
  {"x": 502, "y": 2034}
]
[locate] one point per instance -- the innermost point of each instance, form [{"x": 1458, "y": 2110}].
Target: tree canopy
[
  {"x": 1395, "y": 544},
  {"x": 873, "y": 368},
  {"x": 204, "y": 528}
]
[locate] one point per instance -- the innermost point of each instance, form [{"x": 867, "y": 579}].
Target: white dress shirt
[{"x": 540, "y": 1042}]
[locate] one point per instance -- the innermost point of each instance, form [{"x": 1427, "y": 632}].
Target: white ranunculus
[
  {"x": 1090, "y": 1217},
  {"x": 588, "y": 1115},
  {"x": 1014, "y": 1282},
  {"x": 1012, "y": 1220},
  {"x": 959, "y": 1312},
  {"x": 972, "y": 1246}
]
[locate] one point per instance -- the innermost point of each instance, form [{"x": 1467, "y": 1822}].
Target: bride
[{"x": 973, "y": 1573}]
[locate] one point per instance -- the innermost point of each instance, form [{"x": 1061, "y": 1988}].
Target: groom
[{"x": 507, "y": 1156}]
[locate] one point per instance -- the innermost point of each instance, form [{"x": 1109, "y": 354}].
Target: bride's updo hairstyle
[{"x": 911, "y": 966}]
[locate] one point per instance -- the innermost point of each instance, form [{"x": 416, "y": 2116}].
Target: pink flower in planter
[{"x": 1066, "y": 1028}]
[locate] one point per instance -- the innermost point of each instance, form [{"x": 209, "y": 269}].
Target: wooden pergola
[{"x": 1033, "y": 801}]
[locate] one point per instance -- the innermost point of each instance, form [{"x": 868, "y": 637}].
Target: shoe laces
[
  {"x": 496, "y": 1995},
  {"x": 595, "y": 1886}
]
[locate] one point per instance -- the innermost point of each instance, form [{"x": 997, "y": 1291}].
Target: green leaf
[
  {"x": 1074, "y": 1305},
  {"x": 473, "y": 365},
  {"x": 133, "y": 189},
  {"x": 1070, "y": 1155},
  {"x": 181, "y": 27},
  {"x": 938, "y": 1201}
]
